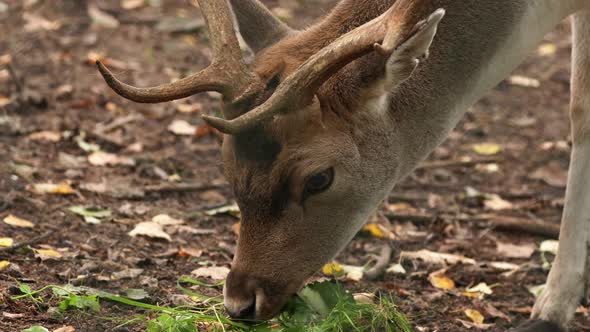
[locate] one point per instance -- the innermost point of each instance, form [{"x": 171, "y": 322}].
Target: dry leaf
[
  {"x": 474, "y": 315},
  {"x": 353, "y": 273},
  {"x": 440, "y": 281},
  {"x": 65, "y": 329},
  {"x": 213, "y": 272},
  {"x": 4, "y": 264},
  {"x": 549, "y": 246},
  {"x": 6, "y": 241},
  {"x": 46, "y": 254},
  {"x": 487, "y": 149},
  {"x": 547, "y": 49},
  {"x": 503, "y": 266},
  {"x": 46, "y": 136},
  {"x": 552, "y": 174},
  {"x": 496, "y": 203},
  {"x": 494, "y": 312},
  {"x": 189, "y": 108},
  {"x": 127, "y": 274},
  {"x": 378, "y": 231},
  {"x": 132, "y": 4},
  {"x": 166, "y": 220},
  {"x": 437, "y": 257},
  {"x": 101, "y": 18},
  {"x": 62, "y": 188},
  {"x": 396, "y": 269},
  {"x": 182, "y": 128},
  {"x": 100, "y": 158},
  {"x": 479, "y": 290},
  {"x": 35, "y": 23},
  {"x": 515, "y": 251},
  {"x": 18, "y": 222},
  {"x": 150, "y": 229},
  {"x": 524, "y": 81},
  {"x": 470, "y": 325}
]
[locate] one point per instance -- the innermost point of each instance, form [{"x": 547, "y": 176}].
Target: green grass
[{"x": 318, "y": 307}]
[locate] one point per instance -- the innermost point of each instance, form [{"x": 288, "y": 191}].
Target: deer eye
[{"x": 319, "y": 182}]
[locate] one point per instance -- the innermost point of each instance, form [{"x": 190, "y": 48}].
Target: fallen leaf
[
  {"x": 486, "y": 149},
  {"x": 91, "y": 215},
  {"x": 182, "y": 128},
  {"x": 18, "y": 222},
  {"x": 547, "y": 49},
  {"x": 494, "y": 312},
  {"x": 365, "y": 298},
  {"x": 474, "y": 315},
  {"x": 127, "y": 274},
  {"x": 4, "y": 264},
  {"x": 11, "y": 315},
  {"x": 132, "y": 4},
  {"x": 62, "y": 188},
  {"x": 189, "y": 252},
  {"x": 213, "y": 272},
  {"x": 470, "y": 325},
  {"x": 353, "y": 273},
  {"x": 437, "y": 258},
  {"x": 166, "y": 220},
  {"x": 6, "y": 241},
  {"x": 378, "y": 231},
  {"x": 189, "y": 108},
  {"x": 496, "y": 203},
  {"x": 524, "y": 81},
  {"x": 150, "y": 229},
  {"x": 65, "y": 329},
  {"x": 46, "y": 254},
  {"x": 136, "y": 294},
  {"x": 46, "y": 136},
  {"x": 396, "y": 269},
  {"x": 101, "y": 18},
  {"x": 549, "y": 246},
  {"x": 481, "y": 288},
  {"x": 552, "y": 173},
  {"x": 503, "y": 266},
  {"x": 100, "y": 158},
  {"x": 515, "y": 251},
  {"x": 232, "y": 210},
  {"x": 440, "y": 281},
  {"x": 35, "y": 23}
]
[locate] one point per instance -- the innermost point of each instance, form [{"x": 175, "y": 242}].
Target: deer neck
[{"x": 475, "y": 49}]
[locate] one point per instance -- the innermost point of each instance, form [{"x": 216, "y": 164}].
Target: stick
[
  {"x": 180, "y": 187},
  {"x": 28, "y": 242},
  {"x": 382, "y": 262},
  {"x": 526, "y": 225},
  {"x": 455, "y": 163},
  {"x": 420, "y": 219}
]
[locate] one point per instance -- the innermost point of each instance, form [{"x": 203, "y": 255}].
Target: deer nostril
[{"x": 244, "y": 311}]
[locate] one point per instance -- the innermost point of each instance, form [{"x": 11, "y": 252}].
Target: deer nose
[{"x": 241, "y": 308}]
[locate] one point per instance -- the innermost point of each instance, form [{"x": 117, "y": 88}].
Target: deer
[{"x": 323, "y": 122}]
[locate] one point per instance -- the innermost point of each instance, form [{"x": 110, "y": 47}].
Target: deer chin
[{"x": 256, "y": 299}]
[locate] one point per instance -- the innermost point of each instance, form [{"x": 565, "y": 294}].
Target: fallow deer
[{"x": 324, "y": 122}]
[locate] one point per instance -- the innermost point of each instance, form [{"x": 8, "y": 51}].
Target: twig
[
  {"x": 420, "y": 219},
  {"x": 382, "y": 261},
  {"x": 455, "y": 163},
  {"x": 179, "y": 187},
  {"x": 28, "y": 242},
  {"x": 526, "y": 225}
]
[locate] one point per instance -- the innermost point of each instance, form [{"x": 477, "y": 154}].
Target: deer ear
[
  {"x": 404, "y": 57},
  {"x": 258, "y": 26}
]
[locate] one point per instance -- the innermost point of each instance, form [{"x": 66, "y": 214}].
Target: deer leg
[{"x": 567, "y": 280}]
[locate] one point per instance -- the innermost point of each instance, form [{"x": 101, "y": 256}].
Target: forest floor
[{"x": 56, "y": 113}]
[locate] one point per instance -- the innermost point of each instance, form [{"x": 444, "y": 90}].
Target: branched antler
[
  {"x": 227, "y": 73},
  {"x": 383, "y": 34}
]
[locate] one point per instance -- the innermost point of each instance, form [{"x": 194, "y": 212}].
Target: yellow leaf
[
  {"x": 6, "y": 241},
  {"x": 4, "y": 264},
  {"x": 440, "y": 281},
  {"x": 487, "y": 149},
  {"x": 62, "y": 188},
  {"x": 375, "y": 230},
  {"x": 46, "y": 254},
  {"x": 474, "y": 315},
  {"x": 332, "y": 269},
  {"x": 475, "y": 295},
  {"x": 18, "y": 222}
]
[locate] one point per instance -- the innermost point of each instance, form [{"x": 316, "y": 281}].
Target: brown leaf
[
  {"x": 515, "y": 251},
  {"x": 213, "y": 272}
]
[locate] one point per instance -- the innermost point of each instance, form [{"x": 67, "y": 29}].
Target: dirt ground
[{"x": 59, "y": 92}]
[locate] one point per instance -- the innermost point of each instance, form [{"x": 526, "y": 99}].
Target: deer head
[{"x": 310, "y": 149}]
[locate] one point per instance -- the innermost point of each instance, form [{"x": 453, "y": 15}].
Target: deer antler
[
  {"x": 300, "y": 86},
  {"x": 227, "y": 73}
]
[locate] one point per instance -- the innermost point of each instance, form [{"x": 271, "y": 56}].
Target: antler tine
[
  {"x": 300, "y": 86},
  {"x": 227, "y": 73}
]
